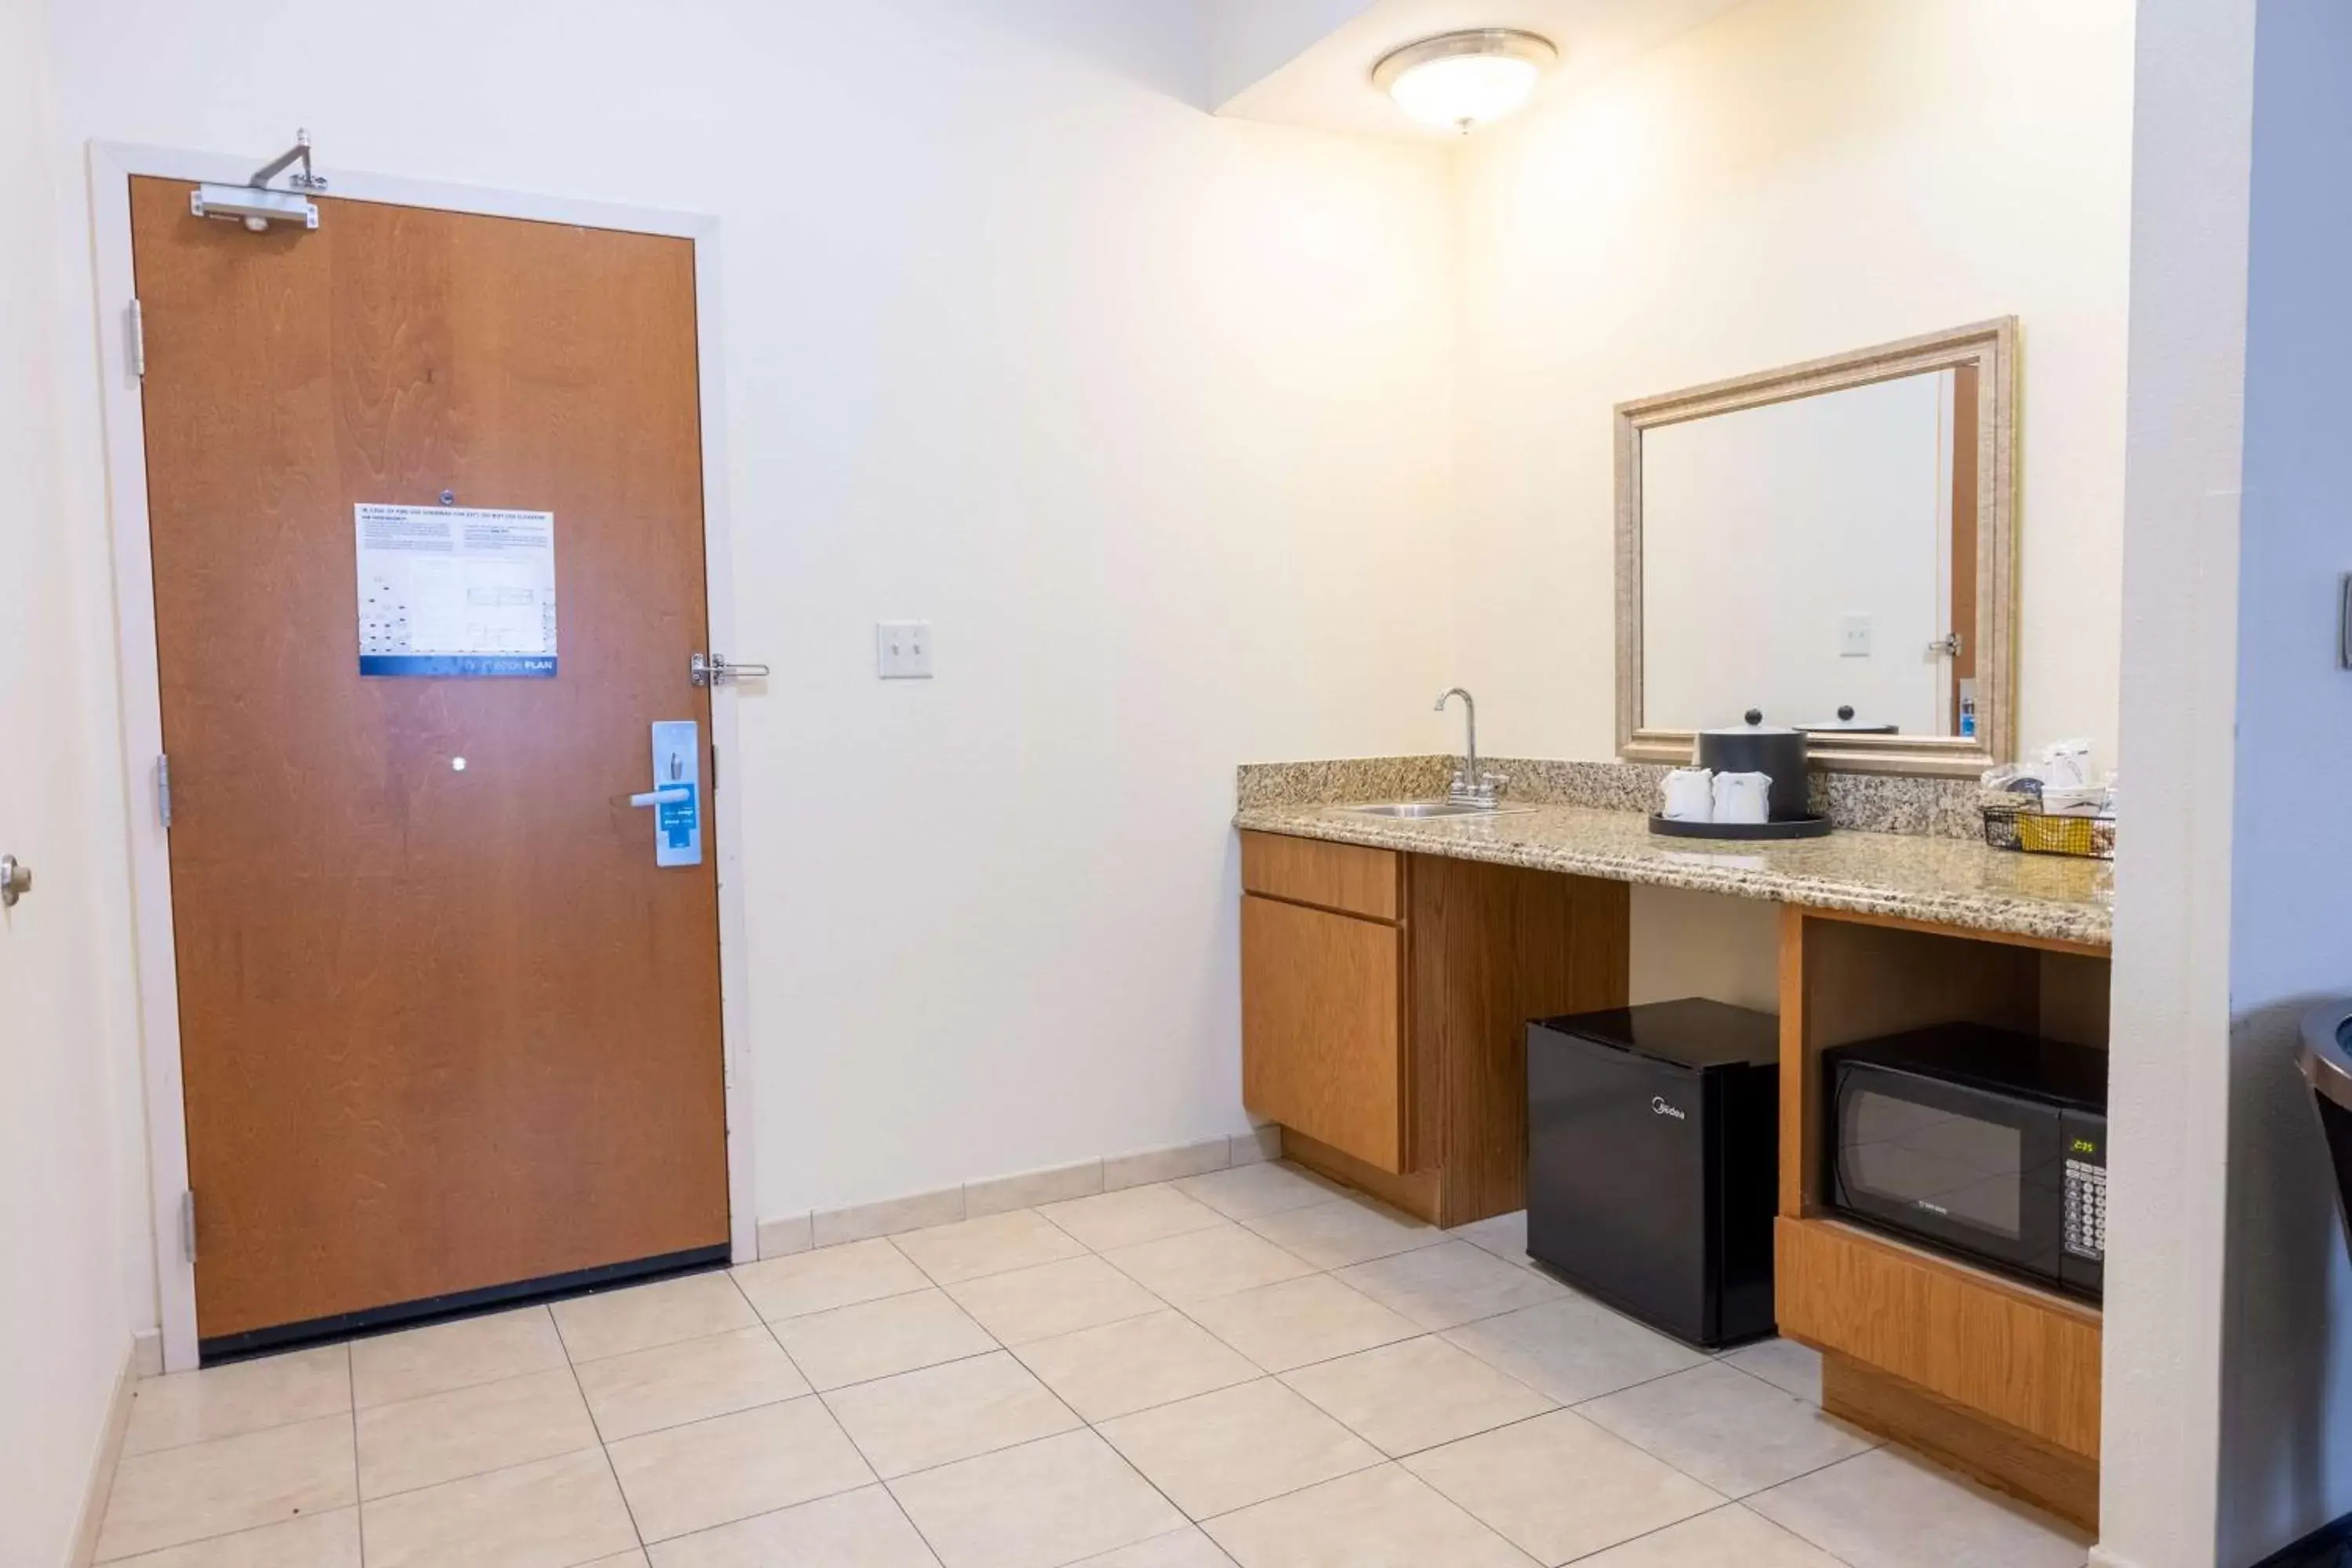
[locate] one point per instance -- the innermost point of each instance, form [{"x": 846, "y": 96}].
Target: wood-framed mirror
[{"x": 1833, "y": 543}]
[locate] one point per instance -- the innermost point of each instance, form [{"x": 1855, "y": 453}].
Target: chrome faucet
[{"x": 1471, "y": 786}]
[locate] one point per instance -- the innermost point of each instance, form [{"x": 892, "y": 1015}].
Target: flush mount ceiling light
[{"x": 1461, "y": 80}]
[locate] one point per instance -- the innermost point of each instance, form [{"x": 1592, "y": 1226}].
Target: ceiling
[{"x": 1329, "y": 85}]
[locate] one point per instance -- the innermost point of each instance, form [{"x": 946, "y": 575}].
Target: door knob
[{"x": 16, "y": 880}]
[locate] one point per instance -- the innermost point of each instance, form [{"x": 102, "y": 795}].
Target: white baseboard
[
  {"x": 792, "y": 1232},
  {"x": 2103, "y": 1558},
  {"x": 147, "y": 1353},
  {"x": 100, "y": 1485}
]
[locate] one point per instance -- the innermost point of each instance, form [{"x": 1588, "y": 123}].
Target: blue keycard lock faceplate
[{"x": 678, "y": 785}]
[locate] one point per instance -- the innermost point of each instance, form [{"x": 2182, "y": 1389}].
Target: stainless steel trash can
[{"x": 2328, "y": 1067}]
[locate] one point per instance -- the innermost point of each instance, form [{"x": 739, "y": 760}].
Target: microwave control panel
[{"x": 2086, "y": 1210}]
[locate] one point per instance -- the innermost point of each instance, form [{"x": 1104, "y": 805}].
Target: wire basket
[{"x": 2040, "y": 833}]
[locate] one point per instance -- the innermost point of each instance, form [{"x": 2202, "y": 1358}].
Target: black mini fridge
[{"x": 1653, "y": 1146}]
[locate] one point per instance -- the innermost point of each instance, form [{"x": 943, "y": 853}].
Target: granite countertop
[{"x": 1946, "y": 881}]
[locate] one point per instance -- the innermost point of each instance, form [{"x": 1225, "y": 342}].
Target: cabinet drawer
[
  {"x": 2019, "y": 1355},
  {"x": 1323, "y": 1040},
  {"x": 1344, "y": 877}
]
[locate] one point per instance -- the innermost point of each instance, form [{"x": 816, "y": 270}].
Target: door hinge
[
  {"x": 163, "y": 790},
  {"x": 1947, "y": 646},
  {"x": 188, "y": 1226},
  {"x": 135, "y": 335}
]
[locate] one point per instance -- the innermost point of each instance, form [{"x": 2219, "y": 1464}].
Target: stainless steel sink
[{"x": 1415, "y": 808}]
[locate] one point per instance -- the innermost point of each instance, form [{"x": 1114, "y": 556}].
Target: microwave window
[{"x": 1956, "y": 1167}]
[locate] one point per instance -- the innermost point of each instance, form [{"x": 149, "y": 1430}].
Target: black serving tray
[{"x": 1793, "y": 828}]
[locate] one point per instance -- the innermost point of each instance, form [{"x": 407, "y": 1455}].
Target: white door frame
[{"x": 111, "y": 167}]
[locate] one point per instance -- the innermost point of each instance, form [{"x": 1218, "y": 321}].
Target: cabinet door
[{"x": 1323, "y": 1042}]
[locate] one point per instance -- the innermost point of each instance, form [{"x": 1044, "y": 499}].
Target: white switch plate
[
  {"x": 902, "y": 650},
  {"x": 1853, "y": 636}
]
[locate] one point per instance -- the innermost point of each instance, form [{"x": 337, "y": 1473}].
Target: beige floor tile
[
  {"x": 175, "y": 1496},
  {"x": 1406, "y": 1397},
  {"x": 221, "y": 1402},
  {"x": 1889, "y": 1509},
  {"x": 1737, "y": 1434},
  {"x": 625, "y": 1559},
  {"x": 1217, "y": 1452},
  {"x": 1343, "y": 1231},
  {"x": 1574, "y": 1350},
  {"x": 670, "y": 1385},
  {"x": 1121, "y": 1368},
  {"x": 418, "y": 1361},
  {"x": 881, "y": 1339},
  {"x": 1300, "y": 1321},
  {"x": 1246, "y": 1192},
  {"x": 1728, "y": 1537},
  {"x": 550, "y": 1514},
  {"x": 1054, "y": 1299},
  {"x": 1187, "y": 1548},
  {"x": 1503, "y": 1235},
  {"x": 731, "y": 1467},
  {"x": 640, "y": 1317},
  {"x": 1512, "y": 1479},
  {"x": 1783, "y": 1364},
  {"x": 1042, "y": 1504},
  {"x": 861, "y": 1529},
  {"x": 998, "y": 1244},
  {"x": 828, "y": 1278},
  {"x": 1381, "y": 1518},
  {"x": 316, "y": 1541},
  {"x": 1133, "y": 1214},
  {"x": 1451, "y": 1284},
  {"x": 443, "y": 1436},
  {"x": 1203, "y": 1264},
  {"x": 942, "y": 1414}
]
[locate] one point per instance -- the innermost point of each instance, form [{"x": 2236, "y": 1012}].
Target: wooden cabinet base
[
  {"x": 1999, "y": 1455},
  {"x": 1415, "y": 1193}
]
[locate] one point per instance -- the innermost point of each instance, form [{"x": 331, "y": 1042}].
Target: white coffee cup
[
  {"x": 1743, "y": 797},
  {"x": 1690, "y": 796}
]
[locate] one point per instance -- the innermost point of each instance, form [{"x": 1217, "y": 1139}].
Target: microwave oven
[{"x": 1976, "y": 1140}]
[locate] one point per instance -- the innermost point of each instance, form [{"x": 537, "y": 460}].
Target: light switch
[
  {"x": 1853, "y": 636},
  {"x": 903, "y": 650}
]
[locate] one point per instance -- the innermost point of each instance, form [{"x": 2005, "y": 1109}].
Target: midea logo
[{"x": 1658, "y": 1106}]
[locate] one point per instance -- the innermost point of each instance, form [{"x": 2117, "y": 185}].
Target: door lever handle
[{"x": 669, "y": 795}]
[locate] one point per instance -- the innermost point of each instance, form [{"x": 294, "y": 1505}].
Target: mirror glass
[{"x": 1814, "y": 555}]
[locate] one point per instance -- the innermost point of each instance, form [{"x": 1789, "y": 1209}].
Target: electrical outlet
[
  {"x": 1853, "y": 636},
  {"x": 902, "y": 650}
]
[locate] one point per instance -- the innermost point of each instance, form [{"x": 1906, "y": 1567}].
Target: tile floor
[{"x": 1242, "y": 1368}]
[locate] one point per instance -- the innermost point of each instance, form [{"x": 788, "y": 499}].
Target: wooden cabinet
[
  {"x": 1994, "y": 1376},
  {"x": 1384, "y": 1008},
  {"x": 1323, "y": 1028}
]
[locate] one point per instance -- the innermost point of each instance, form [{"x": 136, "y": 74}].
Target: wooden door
[{"x": 446, "y": 1027}]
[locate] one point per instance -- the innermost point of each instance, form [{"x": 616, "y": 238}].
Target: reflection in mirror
[{"x": 1816, "y": 558}]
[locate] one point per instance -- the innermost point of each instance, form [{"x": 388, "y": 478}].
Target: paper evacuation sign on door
[{"x": 455, "y": 591}]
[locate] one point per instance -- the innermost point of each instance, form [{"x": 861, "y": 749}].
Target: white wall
[
  {"x": 1796, "y": 178},
  {"x": 64, "y": 1230},
  {"x": 1149, "y": 411},
  {"x": 2169, "y": 1075},
  {"x": 1763, "y": 530},
  {"x": 2286, "y": 1382}
]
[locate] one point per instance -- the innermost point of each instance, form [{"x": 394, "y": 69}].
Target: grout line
[
  {"x": 572, "y": 1365},
  {"x": 627, "y": 1507},
  {"x": 359, "y": 1502}
]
